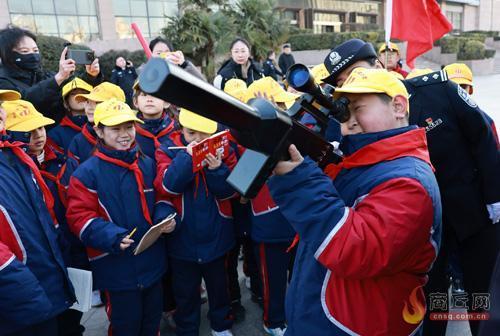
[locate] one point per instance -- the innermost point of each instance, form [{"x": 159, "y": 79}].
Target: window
[
  {"x": 455, "y": 20},
  {"x": 150, "y": 16},
  {"x": 74, "y": 20}
]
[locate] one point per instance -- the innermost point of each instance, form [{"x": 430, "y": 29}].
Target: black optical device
[
  {"x": 262, "y": 128},
  {"x": 81, "y": 56},
  {"x": 316, "y": 100}
]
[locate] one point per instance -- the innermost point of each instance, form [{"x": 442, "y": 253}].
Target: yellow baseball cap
[
  {"x": 418, "y": 72},
  {"x": 76, "y": 83},
  {"x": 22, "y": 116},
  {"x": 273, "y": 91},
  {"x": 102, "y": 92},
  {"x": 397, "y": 75},
  {"x": 363, "y": 80},
  {"x": 196, "y": 122},
  {"x": 391, "y": 47},
  {"x": 6, "y": 95},
  {"x": 114, "y": 112},
  {"x": 319, "y": 72},
  {"x": 236, "y": 88},
  {"x": 459, "y": 73}
]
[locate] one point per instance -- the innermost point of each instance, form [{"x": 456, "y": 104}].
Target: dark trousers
[
  {"x": 186, "y": 278},
  {"x": 45, "y": 328},
  {"x": 477, "y": 255},
  {"x": 274, "y": 264},
  {"x": 168, "y": 292},
  {"x": 69, "y": 323},
  {"x": 135, "y": 312},
  {"x": 250, "y": 268}
]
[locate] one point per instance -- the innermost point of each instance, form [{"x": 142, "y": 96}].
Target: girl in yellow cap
[
  {"x": 111, "y": 205},
  {"x": 60, "y": 136},
  {"x": 27, "y": 125},
  {"x": 197, "y": 247}
]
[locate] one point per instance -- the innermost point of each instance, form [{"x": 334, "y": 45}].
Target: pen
[
  {"x": 177, "y": 147},
  {"x": 131, "y": 233}
]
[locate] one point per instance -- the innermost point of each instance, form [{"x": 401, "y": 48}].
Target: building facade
[
  {"x": 88, "y": 20},
  {"x": 322, "y": 16},
  {"x": 466, "y": 15}
]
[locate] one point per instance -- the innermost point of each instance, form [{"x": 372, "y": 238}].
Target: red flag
[{"x": 420, "y": 22}]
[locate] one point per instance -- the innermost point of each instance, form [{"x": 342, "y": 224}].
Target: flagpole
[{"x": 388, "y": 28}]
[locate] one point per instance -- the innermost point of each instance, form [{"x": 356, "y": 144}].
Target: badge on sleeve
[{"x": 466, "y": 97}]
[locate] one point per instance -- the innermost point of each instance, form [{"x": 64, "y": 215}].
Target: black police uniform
[
  {"x": 464, "y": 152},
  {"x": 125, "y": 79},
  {"x": 271, "y": 70}
]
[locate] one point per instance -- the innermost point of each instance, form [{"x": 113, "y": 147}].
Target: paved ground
[{"x": 486, "y": 94}]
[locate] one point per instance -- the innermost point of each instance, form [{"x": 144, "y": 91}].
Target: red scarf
[
  {"x": 66, "y": 121},
  {"x": 412, "y": 143},
  {"x": 147, "y": 134},
  {"x": 134, "y": 167},
  {"x": 89, "y": 136},
  {"x": 18, "y": 151}
]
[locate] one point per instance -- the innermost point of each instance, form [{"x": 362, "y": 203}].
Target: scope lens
[{"x": 298, "y": 77}]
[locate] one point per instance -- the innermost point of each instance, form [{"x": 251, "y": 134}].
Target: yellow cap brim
[
  {"x": 358, "y": 89},
  {"x": 460, "y": 81},
  {"x": 90, "y": 96},
  {"x": 7, "y": 95},
  {"x": 197, "y": 123},
  {"x": 114, "y": 120},
  {"x": 285, "y": 96},
  {"x": 31, "y": 124}
]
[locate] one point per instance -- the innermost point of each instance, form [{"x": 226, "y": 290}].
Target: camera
[
  {"x": 81, "y": 56},
  {"x": 300, "y": 78}
]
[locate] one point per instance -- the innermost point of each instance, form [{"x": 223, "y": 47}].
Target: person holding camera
[
  {"x": 21, "y": 71},
  {"x": 369, "y": 227},
  {"x": 124, "y": 75}
]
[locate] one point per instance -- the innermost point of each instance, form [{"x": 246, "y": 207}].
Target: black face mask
[{"x": 27, "y": 61}]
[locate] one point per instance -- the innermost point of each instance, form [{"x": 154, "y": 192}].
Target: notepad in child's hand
[
  {"x": 82, "y": 283},
  {"x": 216, "y": 144},
  {"x": 152, "y": 235}
]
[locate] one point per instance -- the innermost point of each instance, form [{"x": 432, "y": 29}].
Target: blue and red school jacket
[
  {"x": 109, "y": 196},
  {"x": 51, "y": 169},
  {"x": 60, "y": 137},
  {"x": 83, "y": 144},
  {"x": 204, "y": 230},
  {"x": 153, "y": 133},
  {"x": 268, "y": 224},
  {"x": 367, "y": 238},
  {"x": 34, "y": 284}
]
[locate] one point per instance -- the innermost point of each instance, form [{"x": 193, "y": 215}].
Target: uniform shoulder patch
[
  {"x": 430, "y": 78},
  {"x": 466, "y": 97}
]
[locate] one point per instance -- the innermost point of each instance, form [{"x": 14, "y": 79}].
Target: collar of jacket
[
  {"x": 371, "y": 148},
  {"x": 89, "y": 133},
  {"x": 74, "y": 122},
  {"x": 25, "y": 76},
  {"x": 155, "y": 126},
  {"x": 127, "y": 156}
]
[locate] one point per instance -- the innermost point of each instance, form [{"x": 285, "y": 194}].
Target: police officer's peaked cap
[{"x": 345, "y": 54}]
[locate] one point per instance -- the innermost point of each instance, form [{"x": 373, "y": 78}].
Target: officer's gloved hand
[{"x": 494, "y": 211}]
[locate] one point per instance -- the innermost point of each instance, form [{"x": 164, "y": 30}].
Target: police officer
[
  {"x": 269, "y": 66},
  {"x": 464, "y": 153}
]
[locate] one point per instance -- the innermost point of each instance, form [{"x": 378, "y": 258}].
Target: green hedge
[
  {"x": 107, "y": 60},
  {"x": 490, "y": 53},
  {"x": 328, "y": 40},
  {"x": 472, "y": 50}
]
